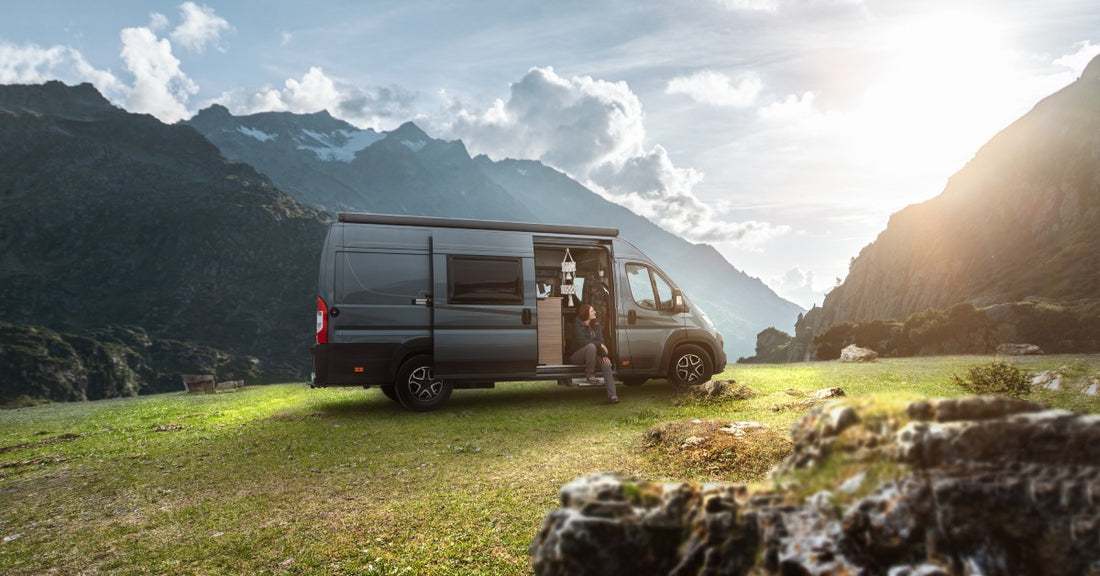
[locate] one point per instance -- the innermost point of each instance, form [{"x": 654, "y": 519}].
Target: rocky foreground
[{"x": 977, "y": 485}]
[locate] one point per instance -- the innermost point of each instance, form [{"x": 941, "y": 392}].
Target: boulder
[
  {"x": 981, "y": 485},
  {"x": 1018, "y": 349},
  {"x": 853, "y": 353}
]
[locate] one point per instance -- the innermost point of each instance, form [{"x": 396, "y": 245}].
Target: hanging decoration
[{"x": 568, "y": 273}]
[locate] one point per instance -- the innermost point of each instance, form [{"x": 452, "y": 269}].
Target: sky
[{"x": 783, "y": 132}]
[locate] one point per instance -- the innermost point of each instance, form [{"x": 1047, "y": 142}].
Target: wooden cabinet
[{"x": 549, "y": 331}]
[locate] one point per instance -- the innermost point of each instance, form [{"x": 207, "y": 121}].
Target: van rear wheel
[
  {"x": 690, "y": 366},
  {"x": 417, "y": 387}
]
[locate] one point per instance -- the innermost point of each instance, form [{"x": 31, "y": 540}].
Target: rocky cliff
[
  {"x": 1021, "y": 220},
  {"x": 979, "y": 485}
]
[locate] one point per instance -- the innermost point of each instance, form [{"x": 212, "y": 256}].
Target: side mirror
[{"x": 679, "y": 304}]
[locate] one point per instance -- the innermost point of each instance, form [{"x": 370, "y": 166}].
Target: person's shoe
[
  {"x": 593, "y": 381},
  {"x": 613, "y": 399}
]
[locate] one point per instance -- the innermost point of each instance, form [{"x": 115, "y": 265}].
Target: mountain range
[{"x": 143, "y": 244}]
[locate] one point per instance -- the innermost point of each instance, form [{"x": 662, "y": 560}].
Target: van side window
[
  {"x": 483, "y": 280},
  {"x": 649, "y": 289},
  {"x": 641, "y": 288},
  {"x": 358, "y": 280}
]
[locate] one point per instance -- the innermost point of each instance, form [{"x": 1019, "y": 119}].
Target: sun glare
[{"x": 932, "y": 104}]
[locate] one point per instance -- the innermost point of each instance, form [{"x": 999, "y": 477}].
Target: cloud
[
  {"x": 381, "y": 108},
  {"x": 798, "y": 286},
  {"x": 160, "y": 86},
  {"x": 769, "y": 6},
  {"x": 32, "y": 64},
  {"x": 594, "y": 131},
  {"x": 1077, "y": 61},
  {"x": 314, "y": 92},
  {"x": 200, "y": 27},
  {"x": 717, "y": 89},
  {"x": 574, "y": 124}
]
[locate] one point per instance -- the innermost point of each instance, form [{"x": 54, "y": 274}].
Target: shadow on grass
[{"x": 507, "y": 396}]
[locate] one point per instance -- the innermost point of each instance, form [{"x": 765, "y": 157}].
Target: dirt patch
[
  {"x": 34, "y": 462},
  {"x": 731, "y": 450},
  {"x": 714, "y": 392},
  {"x": 40, "y": 443}
]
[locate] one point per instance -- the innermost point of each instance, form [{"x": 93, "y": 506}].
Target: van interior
[{"x": 566, "y": 276}]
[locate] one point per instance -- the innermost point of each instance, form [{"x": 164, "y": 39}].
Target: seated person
[{"x": 588, "y": 345}]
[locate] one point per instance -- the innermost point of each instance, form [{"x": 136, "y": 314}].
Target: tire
[
  {"x": 634, "y": 381},
  {"x": 390, "y": 393},
  {"x": 689, "y": 366},
  {"x": 417, "y": 387}
]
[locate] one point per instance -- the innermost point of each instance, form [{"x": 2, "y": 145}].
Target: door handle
[
  {"x": 631, "y": 317},
  {"x": 422, "y": 301},
  {"x": 526, "y": 316}
]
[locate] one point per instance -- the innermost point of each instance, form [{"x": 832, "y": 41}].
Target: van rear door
[{"x": 483, "y": 320}]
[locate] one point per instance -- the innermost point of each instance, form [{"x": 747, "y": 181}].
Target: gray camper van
[{"x": 420, "y": 306}]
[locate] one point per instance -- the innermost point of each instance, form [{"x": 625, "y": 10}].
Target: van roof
[{"x": 439, "y": 222}]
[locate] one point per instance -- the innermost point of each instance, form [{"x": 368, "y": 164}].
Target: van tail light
[{"x": 322, "y": 321}]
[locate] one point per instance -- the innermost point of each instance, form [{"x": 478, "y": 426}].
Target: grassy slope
[{"x": 283, "y": 479}]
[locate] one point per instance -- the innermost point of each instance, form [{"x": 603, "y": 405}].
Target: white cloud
[
  {"x": 32, "y": 64},
  {"x": 769, "y": 6},
  {"x": 574, "y": 124},
  {"x": 160, "y": 86},
  {"x": 594, "y": 131},
  {"x": 1077, "y": 61},
  {"x": 314, "y": 92},
  {"x": 718, "y": 89},
  {"x": 798, "y": 286},
  {"x": 157, "y": 21},
  {"x": 200, "y": 27},
  {"x": 381, "y": 108}
]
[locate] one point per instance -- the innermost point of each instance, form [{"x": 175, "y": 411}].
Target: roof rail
[{"x": 440, "y": 222}]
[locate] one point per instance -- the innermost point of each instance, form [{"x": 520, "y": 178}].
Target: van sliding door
[{"x": 483, "y": 303}]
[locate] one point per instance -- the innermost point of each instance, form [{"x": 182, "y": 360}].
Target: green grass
[{"x": 284, "y": 479}]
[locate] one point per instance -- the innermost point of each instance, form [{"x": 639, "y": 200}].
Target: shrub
[
  {"x": 832, "y": 341},
  {"x": 998, "y": 378}
]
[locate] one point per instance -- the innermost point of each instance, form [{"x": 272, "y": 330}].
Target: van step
[
  {"x": 560, "y": 369},
  {"x": 583, "y": 383}
]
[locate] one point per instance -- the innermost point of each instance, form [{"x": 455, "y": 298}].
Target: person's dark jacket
[{"x": 583, "y": 335}]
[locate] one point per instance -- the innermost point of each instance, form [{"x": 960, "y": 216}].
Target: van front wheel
[
  {"x": 418, "y": 388},
  {"x": 690, "y": 366}
]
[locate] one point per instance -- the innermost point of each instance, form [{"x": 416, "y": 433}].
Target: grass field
[{"x": 283, "y": 479}]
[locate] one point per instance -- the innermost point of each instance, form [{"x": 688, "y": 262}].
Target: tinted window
[
  {"x": 381, "y": 279},
  {"x": 664, "y": 291},
  {"x": 484, "y": 280}
]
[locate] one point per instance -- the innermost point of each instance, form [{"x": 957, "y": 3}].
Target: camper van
[{"x": 420, "y": 306}]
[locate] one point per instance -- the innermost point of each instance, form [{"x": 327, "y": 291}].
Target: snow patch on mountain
[
  {"x": 257, "y": 134},
  {"x": 338, "y": 146},
  {"x": 414, "y": 145}
]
